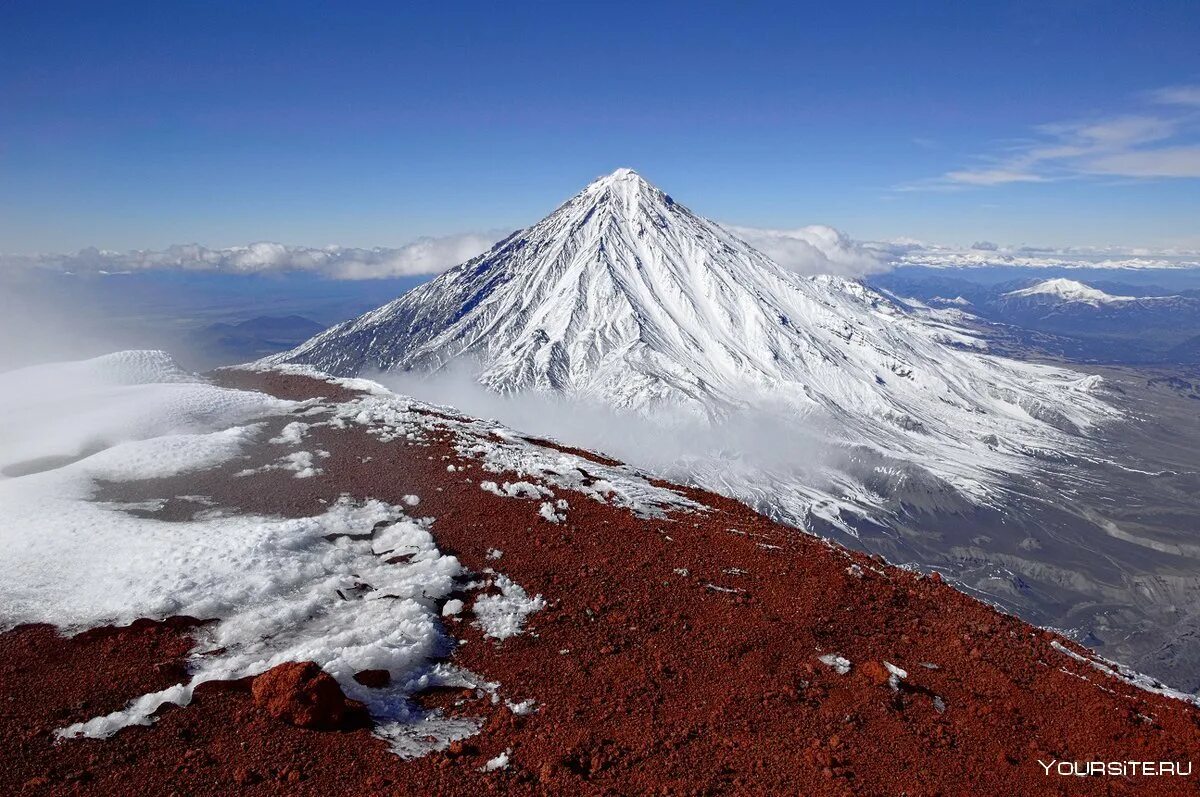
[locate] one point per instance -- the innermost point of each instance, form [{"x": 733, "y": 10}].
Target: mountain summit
[
  {"x": 624, "y": 296},
  {"x": 621, "y": 293},
  {"x": 813, "y": 399}
]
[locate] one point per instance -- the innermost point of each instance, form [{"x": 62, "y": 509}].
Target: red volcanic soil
[{"x": 674, "y": 656}]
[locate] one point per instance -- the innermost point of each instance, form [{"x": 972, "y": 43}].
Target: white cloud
[
  {"x": 1177, "y": 95},
  {"x": 423, "y": 256},
  {"x": 993, "y": 176},
  {"x": 984, "y": 254},
  {"x": 1164, "y": 162},
  {"x": 815, "y": 249},
  {"x": 1161, "y": 142}
]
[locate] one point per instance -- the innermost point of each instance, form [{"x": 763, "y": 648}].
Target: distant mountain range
[{"x": 1100, "y": 321}]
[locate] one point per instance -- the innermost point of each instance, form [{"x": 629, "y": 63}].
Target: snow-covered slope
[
  {"x": 624, "y": 296},
  {"x": 1066, "y": 290}
]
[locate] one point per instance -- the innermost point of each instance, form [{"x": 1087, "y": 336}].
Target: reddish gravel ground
[{"x": 647, "y": 680}]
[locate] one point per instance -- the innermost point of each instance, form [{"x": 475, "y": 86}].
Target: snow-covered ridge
[
  {"x": 1068, "y": 290},
  {"x": 75, "y": 408},
  {"x": 324, "y": 588},
  {"x": 624, "y": 297}
]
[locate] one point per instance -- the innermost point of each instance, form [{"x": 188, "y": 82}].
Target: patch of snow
[
  {"x": 292, "y": 434},
  {"x": 548, "y": 512},
  {"x": 1130, "y": 676},
  {"x": 502, "y": 616},
  {"x": 152, "y": 505},
  {"x": 522, "y": 708},
  {"x": 499, "y": 762},
  {"x": 452, "y": 607},
  {"x": 839, "y": 664},
  {"x": 301, "y": 463},
  {"x": 895, "y": 675}
]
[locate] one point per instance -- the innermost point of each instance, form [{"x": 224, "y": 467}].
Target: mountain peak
[
  {"x": 623, "y": 185},
  {"x": 1068, "y": 290},
  {"x": 624, "y": 174},
  {"x": 624, "y": 297}
]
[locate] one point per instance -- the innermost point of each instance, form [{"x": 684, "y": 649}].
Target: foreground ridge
[{"x": 696, "y": 647}]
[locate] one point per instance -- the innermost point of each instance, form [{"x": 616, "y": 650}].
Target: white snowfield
[
  {"x": 280, "y": 589},
  {"x": 623, "y": 297},
  {"x": 1067, "y": 290},
  {"x": 68, "y": 409}
]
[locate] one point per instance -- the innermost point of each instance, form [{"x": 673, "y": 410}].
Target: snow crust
[
  {"x": 280, "y": 589},
  {"x": 502, "y": 616},
  {"x": 1130, "y": 676},
  {"x": 839, "y": 664},
  {"x": 69, "y": 410}
]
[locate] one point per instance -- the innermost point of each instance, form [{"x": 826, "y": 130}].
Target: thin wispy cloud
[
  {"x": 1160, "y": 140},
  {"x": 1177, "y": 95}
]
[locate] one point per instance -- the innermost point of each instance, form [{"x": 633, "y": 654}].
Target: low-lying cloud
[
  {"x": 984, "y": 254},
  {"x": 815, "y": 249},
  {"x": 422, "y": 256},
  {"x": 750, "y": 454}
]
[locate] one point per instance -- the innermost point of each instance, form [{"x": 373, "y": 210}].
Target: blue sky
[{"x": 128, "y": 125}]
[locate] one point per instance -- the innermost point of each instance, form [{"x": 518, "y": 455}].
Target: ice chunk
[
  {"x": 499, "y": 762},
  {"x": 502, "y": 616},
  {"x": 840, "y": 664}
]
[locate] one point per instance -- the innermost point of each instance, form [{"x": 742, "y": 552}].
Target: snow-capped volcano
[
  {"x": 1066, "y": 290},
  {"x": 624, "y": 296}
]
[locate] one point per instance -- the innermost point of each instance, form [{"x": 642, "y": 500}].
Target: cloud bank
[
  {"x": 815, "y": 249},
  {"x": 983, "y": 254},
  {"x": 423, "y": 256}
]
